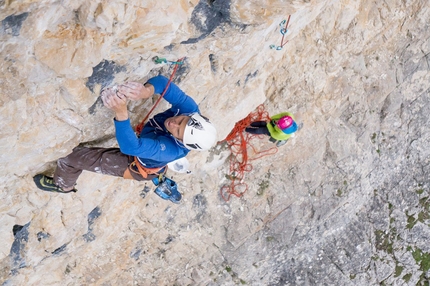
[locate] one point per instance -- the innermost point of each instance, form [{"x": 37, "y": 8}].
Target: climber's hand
[
  {"x": 136, "y": 90},
  {"x": 115, "y": 101}
]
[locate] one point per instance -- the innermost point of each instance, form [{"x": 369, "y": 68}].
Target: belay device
[{"x": 167, "y": 189}]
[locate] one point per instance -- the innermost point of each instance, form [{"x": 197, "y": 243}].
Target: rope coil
[{"x": 239, "y": 143}]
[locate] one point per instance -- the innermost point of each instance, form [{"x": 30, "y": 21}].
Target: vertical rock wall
[{"x": 345, "y": 202}]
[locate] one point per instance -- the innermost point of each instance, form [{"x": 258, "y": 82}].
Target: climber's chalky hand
[
  {"x": 115, "y": 101},
  {"x": 136, "y": 90}
]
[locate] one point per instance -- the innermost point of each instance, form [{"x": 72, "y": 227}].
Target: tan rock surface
[{"x": 345, "y": 202}]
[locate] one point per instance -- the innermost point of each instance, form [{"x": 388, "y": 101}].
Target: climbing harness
[
  {"x": 239, "y": 142},
  {"x": 283, "y": 32},
  {"x": 139, "y": 127},
  {"x": 145, "y": 172},
  {"x": 137, "y": 168}
]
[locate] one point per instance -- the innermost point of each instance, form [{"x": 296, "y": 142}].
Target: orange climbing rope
[
  {"x": 139, "y": 127},
  {"x": 239, "y": 143}
]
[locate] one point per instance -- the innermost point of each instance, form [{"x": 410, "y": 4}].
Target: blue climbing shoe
[
  {"x": 167, "y": 190},
  {"x": 47, "y": 184}
]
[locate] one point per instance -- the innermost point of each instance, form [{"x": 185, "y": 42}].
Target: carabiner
[{"x": 159, "y": 60}]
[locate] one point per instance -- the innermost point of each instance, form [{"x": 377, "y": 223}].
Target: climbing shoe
[
  {"x": 167, "y": 189},
  {"x": 273, "y": 140},
  {"x": 47, "y": 184},
  {"x": 281, "y": 143}
]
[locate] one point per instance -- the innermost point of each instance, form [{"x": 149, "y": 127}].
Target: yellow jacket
[{"x": 275, "y": 131}]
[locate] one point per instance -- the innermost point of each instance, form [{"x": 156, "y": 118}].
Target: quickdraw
[
  {"x": 283, "y": 32},
  {"x": 159, "y": 60}
]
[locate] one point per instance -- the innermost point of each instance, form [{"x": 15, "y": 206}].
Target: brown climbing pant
[{"x": 108, "y": 161}]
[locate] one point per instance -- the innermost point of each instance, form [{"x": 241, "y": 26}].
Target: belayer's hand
[
  {"x": 116, "y": 102},
  {"x": 136, "y": 90}
]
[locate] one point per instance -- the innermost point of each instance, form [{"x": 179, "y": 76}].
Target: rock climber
[
  {"x": 166, "y": 137},
  {"x": 280, "y": 128}
]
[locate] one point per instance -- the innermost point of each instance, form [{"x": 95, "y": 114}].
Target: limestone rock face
[{"x": 344, "y": 202}]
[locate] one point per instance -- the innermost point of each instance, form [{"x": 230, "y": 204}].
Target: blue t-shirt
[{"x": 156, "y": 146}]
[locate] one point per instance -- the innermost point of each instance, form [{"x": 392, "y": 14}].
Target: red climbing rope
[
  {"x": 139, "y": 127},
  {"x": 239, "y": 143}
]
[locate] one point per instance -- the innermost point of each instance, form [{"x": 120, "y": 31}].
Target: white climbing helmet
[
  {"x": 180, "y": 165},
  {"x": 199, "y": 134}
]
